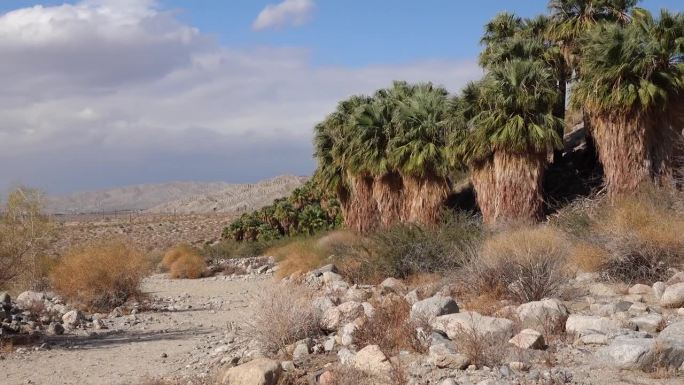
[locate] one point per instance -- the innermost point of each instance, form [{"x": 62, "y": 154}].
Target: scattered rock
[
  {"x": 528, "y": 339},
  {"x": 673, "y": 295},
  {"x": 300, "y": 351},
  {"x": 489, "y": 327},
  {"x": 27, "y": 299},
  {"x": 392, "y": 285},
  {"x": 72, "y": 319},
  {"x": 261, "y": 371},
  {"x": 432, "y": 307},
  {"x": 55, "y": 329},
  {"x": 372, "y": 361},
  {"x": 587, "y": 324},
  {"x": 544, "y": 314},
  {"x": 651, "y": 323}
]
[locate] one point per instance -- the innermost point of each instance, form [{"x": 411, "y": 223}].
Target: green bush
[{"x": 408, "y": 249}]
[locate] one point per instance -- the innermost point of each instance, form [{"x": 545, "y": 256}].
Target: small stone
[
  {"x": 658, "y": 289},
  {"x": 640, "y": 289},
  {"x": 345, "y": 356},
  {"x": 528, "y": 339},
  {"x": 432, "y": 307},
  {"x": 651, "y": 323},
  {"x": 287, "y": 366},
  {"x": 164, "y": 355},
  {"x": 372, "y": 361},
  {"x": 519, "y": 366},
  {"x": 300, "y": 351},
  {"x": 261, "y": 371},
  {"x": 55, "y": 329},
  {"x": 392, "y": 285},
  {"x": 638, "y": 308},
  {"x": 329, "y": 344},
  {"x": 673, "y": 296}
]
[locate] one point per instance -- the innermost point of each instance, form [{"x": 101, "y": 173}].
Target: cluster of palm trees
[
  {"x": 391, "y": 157},
  {"x": 306, "y": 211}
]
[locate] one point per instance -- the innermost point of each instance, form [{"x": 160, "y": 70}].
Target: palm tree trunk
[
  {"x": 484, "y": 183},
  {"x": 622, "y": 147},
  {"x": 388, "y": 192},
  {"x": 518, "y": 179},
  {"x": 363, "y": 215},
  {"x": 634, "y": 149},
  {"x": 424, "y": 199}
]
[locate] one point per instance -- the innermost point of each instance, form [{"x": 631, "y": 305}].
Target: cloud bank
[
  {"x": 105, "y": 93},
  {"x": 286, "y": 13}
]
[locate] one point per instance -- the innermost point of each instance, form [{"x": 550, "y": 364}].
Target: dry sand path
[{"x": 154, "y": 344}]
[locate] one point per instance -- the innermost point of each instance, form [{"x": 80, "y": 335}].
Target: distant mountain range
[{"x": 178, "y": 197}]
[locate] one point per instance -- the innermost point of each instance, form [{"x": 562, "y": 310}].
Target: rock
[
  {"x": 448, "y": 381},
  {"x": 347, "y": 333},
  {"x": 98, "y": 324},
  {"x": 544, "y": 314},
  {"x": 675, "y": 279},
  {"x": 488, "y": 327},
  {"x": 322, "y": 304},
  {"x": 72, "y": 319},
  {"x": 610, "y": 308},
  {"x": 5, "y": 299},
  {"x": 674, "y": 331},
  {"x": 327, "y": 378},
  {"x": 325, "y": 269},
  {"x": 55, "y": 329},
  {"x": 638, "y": 308},
  {"x": 519, "y": 366},
  {"x": 300, "y": 351},
  {"x": 673, "y": 295},
  {"x": 587, "y": 324},
  {"x": 640, "y": 289},
  {"x": 372, "y": 361},
  {"x": 368, "y": 309},
  {"x": 528, "y": 339},
  {"x": 412, "y": 297},
  {"x": 432, "y": 307},
  {"x": 356, "y": 294},
  {"x": 345, "y": 356},
  {"x": 651, "y": 323},
  {"x": 628, "y": 353},
  {"x": 27, "y": 299},
  {"x": 329, "y": 344},
  {"x": 658, "y": 289},
  {"x": 329, "y": 277},
  {"x": 330, "y": 320},
  {"x": 445, "y": 356},
  {"x": 602, "y": 290},
  {"x": 392, "y": 285},
  {"x": 261, "y": 371},
  {"x": 287, "y": 366}
]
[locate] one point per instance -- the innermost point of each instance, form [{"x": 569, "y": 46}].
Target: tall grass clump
[
  {"x": 184, "y": 261},
  {"x": 635, "y": 238},
  {"x": 525, "y": 263},
  {"x": 100, "y": 276}
]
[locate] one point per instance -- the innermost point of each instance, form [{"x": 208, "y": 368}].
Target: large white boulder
[
  {"x": 455, "y": 324},
  {"x": 544, "y": 314},
  {"x": 432, "y": 307},
  {"x": 261, "y": 371},
  {"x": 673, "y": 296}
]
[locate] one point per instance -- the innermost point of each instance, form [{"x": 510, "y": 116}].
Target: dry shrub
[
  {"x": 284, "y": 314},
  {"x": 100, "y": 276},
  {"x": 633, "y": 239},
  {"x": 298, "y": 256},
  {"x": 404, "y": 250},
  {"x": 391, "y": 328},
  {"x": 183, "y": 261},
  {"x": 525, "y": 264},
  {"x": 481, "y": 349},
  {"x": 349, "y": 375}
]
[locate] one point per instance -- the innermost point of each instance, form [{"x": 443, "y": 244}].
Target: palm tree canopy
[
  {"x": 421, "y": 121},
  {"x": 628, "y": 69},
  {"x": 518, "y": 100}
]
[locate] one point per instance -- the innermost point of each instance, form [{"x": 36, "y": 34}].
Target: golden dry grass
[
  {"x": 525, "y": 263},
  {"x": 184, "y": 262},
  {"x": 100, "y": 276}
]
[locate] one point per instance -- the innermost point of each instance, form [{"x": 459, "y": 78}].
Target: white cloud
[
  {"x": 95, "y": 89},
  {"x": 288, "y": 12}
]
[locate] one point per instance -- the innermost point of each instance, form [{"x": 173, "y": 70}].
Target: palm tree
[
  {"x": 471, "y": 147},
  {"x": 340, "y": 166},
  {"x": 632, "y": 91},
  {"x": 418, "y": 151},
  {"x": 517, "y": 130}
]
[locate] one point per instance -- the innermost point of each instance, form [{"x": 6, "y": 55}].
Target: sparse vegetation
[
  {"x": 480, "y": 348},
  {"x": 284, "y": 314},
  {"x": 392, "y": 329},
  {"x": 100, "y": 276}
]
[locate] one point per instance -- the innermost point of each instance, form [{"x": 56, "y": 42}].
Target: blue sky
[{"x": 103, "y": 93}]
